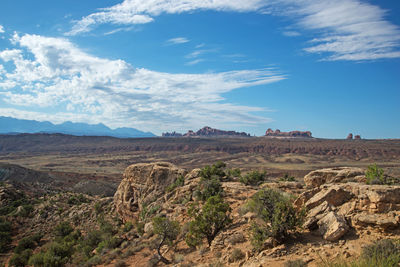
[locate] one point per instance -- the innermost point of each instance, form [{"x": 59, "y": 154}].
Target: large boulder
[
  {"x": 334, "y": 195},
  {"x": 333, "y": 207},
  {"x": 333, "y": 175},
  {"x": 144, "y": 184},
  {"x": 332, "y": 226}
]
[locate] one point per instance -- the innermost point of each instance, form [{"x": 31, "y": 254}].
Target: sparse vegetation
[
  {"x": 374, "y": 175},
  {"x": 236, "y": 255},
  {"x": 208, "y": 222},
  {"x": 382, "y": 253},
  {"x": 180, "y": 181},
  {"x": 5, "y": 234},
  {"x": 210, "y": 182},
  {"x": 167, "y": 231},
  {"x": 295, "y": 263},
  {"x": 217, "y": 169},
  {"x": 278, "y": 215},
  {"x": 287, "y": 178},
  {"x": 253, "y": 178},
  {"x": 128, "y": 226},
  {"x": 77, "y": 199}
]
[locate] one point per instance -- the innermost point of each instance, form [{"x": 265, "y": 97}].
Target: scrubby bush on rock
[
  {"x": 209, "y": 221},
  {"x": 279, "y": 217},
  {"x": 253, "y": 178},
  {"x": 167, "y": 231}
]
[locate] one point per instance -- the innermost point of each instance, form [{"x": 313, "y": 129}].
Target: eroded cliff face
[{"x": 143, "y": 184}]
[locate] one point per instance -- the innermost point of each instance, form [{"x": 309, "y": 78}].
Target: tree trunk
[{"x": 164, "y": 260}]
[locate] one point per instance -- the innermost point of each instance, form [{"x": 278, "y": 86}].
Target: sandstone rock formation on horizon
[
  {"x": 278, "y": 133},
  {"x": 207, "y": 132}
]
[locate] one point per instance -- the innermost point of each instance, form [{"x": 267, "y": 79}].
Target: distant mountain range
[{"x": 10, "y": 125}]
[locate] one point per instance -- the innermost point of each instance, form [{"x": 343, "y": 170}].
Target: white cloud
[
  {"x": 54, "y": 73},
  {"x": 291, "y": 33},
  {"x": 141, "y": 12},
  {"x": 178, "y": 40},
  {"x": 194, "y": 62},
  {"x": 346, "y": 29},
  {"x": 1, "y": 29}
]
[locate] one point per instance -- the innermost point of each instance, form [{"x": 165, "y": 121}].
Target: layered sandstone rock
[
  {"x": 278, "y": 133},
  {"x": 207, "y": 132},
  {"x": 335, "y": 207},
  {"x": 144, "y": 184},
  {"x": 333, "y": 175}
]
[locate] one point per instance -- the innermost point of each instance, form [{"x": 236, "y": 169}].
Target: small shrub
[
  {"x": 167, "y": 230},
  {"x": 295, "y": 263},
  {"x": 234, "y": 173},
  {"x": 139, "y": 227},
  {"x": 208, "y": 222},
  {"x": 236, "y": 238},
  {"x": 217, "y": 169},
  {"x": 93, "y": 261},
  {"x": 374, "y": 175},
  {"x": 287, "y": 178},
  {"x": 120, "y": 263},
  {"x": 128, "y": 226},
  {"x": 383, "y": 250},
  {"x": 98, "y": 208},
  {"x": 63, "y": 229},
  {"x": 5, "y": 235},
  {"x": 146, "y": 212},
  {"x": 153, "y": 261},
  {"x": 180, "y": 181},
  {"x": 26, "y": 210},
  {"x": 236, "y": 255},
  {"x": 277, "y": 213},
  {"x": 253, "y": 178},
  {"x": 210, "y": 187},
  {"x": 20, "y": 259},
  {"x": 29, "y": 242},
  {"x": 178, "y": 258},
  {"x": 57, "y": 255}
]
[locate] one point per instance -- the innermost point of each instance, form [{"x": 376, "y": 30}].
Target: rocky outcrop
[
  {"x": 333, "y": 208},
  {"x": 357, "y": 137},
  {"x": 207, "y": 132},
  {"x": 333, "y": 175},
  {"x": 143, "y": 184},
  {"x": 173, "y": 134},
  {"x": 350, "y": 136},
  {"x": 278, "y": 133}
]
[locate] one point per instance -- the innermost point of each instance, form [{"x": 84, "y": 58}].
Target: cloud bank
[
  {"x": 54, "y": 74},
  {"x": 346, "y": 29}
]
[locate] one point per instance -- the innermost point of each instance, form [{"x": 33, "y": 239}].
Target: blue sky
[{"x": 331, "y": 67}]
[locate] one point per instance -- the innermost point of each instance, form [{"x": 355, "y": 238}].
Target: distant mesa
[
  {"x": 278, "y": 133},
  {"x": 207, "y": 132},
  {"x": 356, "y": 137}
]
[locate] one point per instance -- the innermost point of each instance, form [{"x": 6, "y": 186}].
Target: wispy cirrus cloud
[
  {"x": 291, "y": 33},
  {"x": 177, "y": 40},
  {"x": 194, "y": 62},
  {"x": 53, "y": 73},
  {"x": 344, "y": 29}
]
